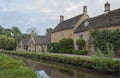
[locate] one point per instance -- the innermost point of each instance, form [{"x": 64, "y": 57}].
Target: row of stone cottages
[{"x": 74, "y": 28}]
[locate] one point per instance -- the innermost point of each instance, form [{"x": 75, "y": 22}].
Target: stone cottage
[
  {"x": 35, "y": 43},
  {"x": 23, "y": 45},
  {"x": 65, "y": 29},
  {"x": 109, "y": 20},
  {"x": 39, "y": 43}
]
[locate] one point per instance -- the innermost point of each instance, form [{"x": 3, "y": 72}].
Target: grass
[
  {"x": 109, "y": 65},
  {"x": 12, "y": 68}
]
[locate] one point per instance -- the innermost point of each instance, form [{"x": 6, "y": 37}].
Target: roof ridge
[{"x": 72, "y": 17}]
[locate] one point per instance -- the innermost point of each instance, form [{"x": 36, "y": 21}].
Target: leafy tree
[
  {"x": 17, "y": 35},
  {"x": 26, "y": 35},
  {"x": 7, "y": 32},
  {"x": 1, "y": 30},
  {"x": 6, "y": 43},
  {"x": 32, "y": 30},
  {"x": 48, "y": 30}
]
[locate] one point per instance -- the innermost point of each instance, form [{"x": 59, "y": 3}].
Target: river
[{"x": 57, "y": 70}]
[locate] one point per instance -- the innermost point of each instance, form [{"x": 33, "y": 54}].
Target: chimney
[
  {"x": 107, "y": 7},
  {"x": 61, "y": 18},
  {"x": 84, "y": 9}
]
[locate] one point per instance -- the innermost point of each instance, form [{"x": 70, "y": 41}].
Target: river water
[{"x": 56, "y": 70}]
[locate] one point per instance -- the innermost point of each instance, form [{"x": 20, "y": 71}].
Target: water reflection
[
  {"x": 48, "y": 70},
  {"x": 43, "y": 74}
]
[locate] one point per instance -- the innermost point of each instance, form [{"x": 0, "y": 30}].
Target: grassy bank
[
  {"x": 96, "y": 63},
  {"x": 12, "y": 68}
]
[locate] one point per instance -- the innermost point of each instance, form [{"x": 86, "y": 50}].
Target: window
[
  {"x": 86, "y": 23},
  {"x": 62, "y": 34}
]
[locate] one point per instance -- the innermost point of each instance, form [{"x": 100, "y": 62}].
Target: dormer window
[{"x": 86, "y": 23}]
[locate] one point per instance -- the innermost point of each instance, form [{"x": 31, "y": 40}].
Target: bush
[
  {"x": 99, "y": 63},
  {"x": 66, "y": 45},
  {"x": 81, "y": 43},
  {"x": 6, "y": 43},
  {"x": 53, "y": 47},
  {"x": 80, "y": 52},
  {"x": 102, "y": 37}
]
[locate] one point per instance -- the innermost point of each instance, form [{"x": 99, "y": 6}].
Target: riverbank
[
  {"x": 100, "y": 64},
  {"x": 12, "y": 68}
]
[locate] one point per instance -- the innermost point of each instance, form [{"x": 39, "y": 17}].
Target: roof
[
  {"x": 43, "y": 40},
  {"x": 67, "y": 24},
  {"x": 25, "y": 41},
  {"x": 101, "y": 21}
]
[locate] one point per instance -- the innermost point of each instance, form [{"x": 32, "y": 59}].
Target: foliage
[
  {"x": 80, "y": 52},
  {"x": 25, "y": 36},
  {"x": 66, "y": 45},
  {"x": 1, "y": 30},
  {"x": 48, "y": 30},
  {"x": 53, "y": 47},
  {"x": 105, "y": 62},
  {"x": 6, "y": 43},
  {"x": 80, "y": 42},
  {"x": 100, "y": 64},
  {"x": 102, "y": 37},
  {"x": 16, "y": 34},
  {"x": 12, "y": 68}
]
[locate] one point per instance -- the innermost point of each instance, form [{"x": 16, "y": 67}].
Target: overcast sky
[{"x": 43, "y": 14}]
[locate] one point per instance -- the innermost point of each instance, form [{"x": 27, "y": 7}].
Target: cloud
[{"x": 43, "y": 14}]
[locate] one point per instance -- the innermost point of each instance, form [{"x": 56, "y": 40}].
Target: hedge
[
  {"x": 80, "y": 52},
  {"x": 97, "y": 63}
]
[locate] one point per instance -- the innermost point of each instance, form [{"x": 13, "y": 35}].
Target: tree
[
  {"x": 32, "y": 30},
  {"x": 17, "y": 35},
  {"x": 6, "y": 43},
  {"x": 7, "y": 32},
  {"x": 1, "y": 30},
  {"x": 48, "y": 30}
]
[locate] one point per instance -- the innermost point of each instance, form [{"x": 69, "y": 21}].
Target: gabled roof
[
  {"x": 67, "y": 24},
  {"x": 42, "y": 40},
  {"x": 101, "y": 21},
  {"x": 25, "y": 41}
]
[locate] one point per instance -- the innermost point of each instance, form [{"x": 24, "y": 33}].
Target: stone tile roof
[
  {"x": 67, "y": 24},
  {"x": 101, "y": 21},
  {"x": 43, "y": 40},
  {"x": 25, "y": 41}
]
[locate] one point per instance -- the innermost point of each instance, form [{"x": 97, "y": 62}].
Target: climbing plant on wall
[{"x": 102, "y": 37}]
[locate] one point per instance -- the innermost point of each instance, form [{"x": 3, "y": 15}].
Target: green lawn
[{"x": 12, "y": 68}]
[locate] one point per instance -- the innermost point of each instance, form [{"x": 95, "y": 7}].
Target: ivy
[{"x": 102, "y": 37}]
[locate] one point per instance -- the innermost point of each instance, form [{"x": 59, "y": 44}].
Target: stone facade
[
  {"x": 67, "y": 33},
  {"x": 86, "y": 36},
  {"x": 35, "y": 44}
]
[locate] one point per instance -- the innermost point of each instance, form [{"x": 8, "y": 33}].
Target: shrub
[
  {"x": 80, "y": 52},
  {"x": 102, "y": 37},
  {"x": 6, "y": 43},
  {"x": 81, "y": 43},
  {"x": 53, "y": 47},
  {"x": 66, "y": 45}
]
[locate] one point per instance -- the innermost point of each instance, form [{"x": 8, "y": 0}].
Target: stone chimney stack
[
  {"x": 107, "y": 7},
  {"x": 84, "y": 9},
  {"x": 61, "y": 18}
]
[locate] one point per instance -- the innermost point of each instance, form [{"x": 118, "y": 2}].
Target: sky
[{"x": 44, "y": 14}]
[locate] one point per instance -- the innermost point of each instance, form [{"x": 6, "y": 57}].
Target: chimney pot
[
  {"x": 61, "y": 18},
  {"x": 107, "y": 7},
  {"x": 84, "y": 9}
]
